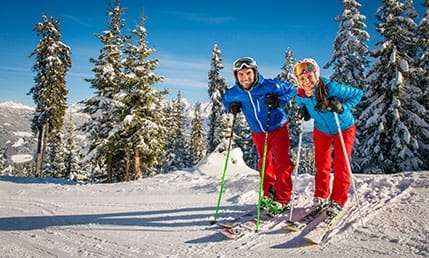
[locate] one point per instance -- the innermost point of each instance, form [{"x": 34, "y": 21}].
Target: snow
[
  {"x": 23, "y": 134},
  {"x": 21, "y": 158},
  {"x": 11, "y": 104},
  {"x": 18, "y": 143},
  {"x": 168, "y": 216}
]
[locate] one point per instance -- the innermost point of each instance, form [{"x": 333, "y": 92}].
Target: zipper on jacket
[{"x": 254, "y": 112}]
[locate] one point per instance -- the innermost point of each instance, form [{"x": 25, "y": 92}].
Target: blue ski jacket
[
  {"x": 325, "y": 121},
  {"x": 254, "y": 106}
]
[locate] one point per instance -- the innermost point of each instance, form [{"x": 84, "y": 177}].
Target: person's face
[
  {"x": 246, "y": 77},
  {"x": 307, "y": 81}
]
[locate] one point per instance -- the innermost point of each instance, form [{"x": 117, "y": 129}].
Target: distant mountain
[{"x": 17, "y": 142}]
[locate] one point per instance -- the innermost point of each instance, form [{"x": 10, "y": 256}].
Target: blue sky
[{"x": 183, "y": 34}]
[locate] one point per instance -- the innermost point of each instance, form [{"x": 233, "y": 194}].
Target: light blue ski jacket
[{"x": 324, "y": 121}]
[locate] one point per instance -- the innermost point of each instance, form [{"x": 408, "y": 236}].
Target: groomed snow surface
[{"x": 168, "y": 216}]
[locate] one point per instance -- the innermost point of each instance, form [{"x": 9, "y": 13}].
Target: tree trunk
[
  {"x": 39, "y": 152},
  {"x": 44, "y": 144},
  {"x": 137, "y": 167},
  {"x": 109, "y": 168},
  {"x": 127, "y": 166}
]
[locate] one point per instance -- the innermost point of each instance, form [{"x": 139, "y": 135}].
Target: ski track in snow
[{"x": 167, "y": 216}]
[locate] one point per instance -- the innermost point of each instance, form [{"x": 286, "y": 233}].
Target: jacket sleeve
[
  {"x": 348, "y": 96},
  {"x": 225, "y": 102},
  {"x": 285, "y": 91},
  {"x": 228, "y": 98}
]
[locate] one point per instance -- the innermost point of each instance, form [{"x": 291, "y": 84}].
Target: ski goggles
[
  {"x": 304, "y": 68},
  {"x": 244, "y": 62}
]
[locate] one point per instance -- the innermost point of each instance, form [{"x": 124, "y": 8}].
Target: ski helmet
[{"x": 306, "y": 65}]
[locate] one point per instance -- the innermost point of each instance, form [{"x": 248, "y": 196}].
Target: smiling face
[
  {"x": 307, "y": 81},
  {"x": 246, "y": 77}
]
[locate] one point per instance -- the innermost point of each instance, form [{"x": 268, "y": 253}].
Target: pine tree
[
  {"x": 71, "y": 161},
  {"x": 49, "y": 93},
  {"x": 197, "y": 135},
  {"x": 423, "y": 60},
  {"x": 217, "y": 87},
  {"x": 104, "y": 107},
  {"x": 142, "y": 132},
  {"x": 422, "y": 79},
  {"x": 391, "y": 125},
  {"x": 286, "y": 73},
  {"x": 55, "y": 166},
  {"x": 178, "y": 151},
  {"x": 350, "y": 46}
]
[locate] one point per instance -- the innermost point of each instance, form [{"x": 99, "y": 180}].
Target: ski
[
  {"x": 302, "y": 223},
  {"x": 246, "y": 227},
  {"x": 249, "y": 215},
  {"x": 319, "y": 232}
]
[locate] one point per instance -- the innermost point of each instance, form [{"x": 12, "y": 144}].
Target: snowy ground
[{"x": 167, "y": 216}]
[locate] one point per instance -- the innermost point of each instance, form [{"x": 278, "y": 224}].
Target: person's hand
[
  {"x": 235, "y": 108},
  {"x": 335, "y": 106},
  {"x": 303, "y": 114},
  {"x": 272, "y": 101}
]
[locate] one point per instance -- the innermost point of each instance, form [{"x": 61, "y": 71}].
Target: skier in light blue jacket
[{"x": 319, "y": 98}]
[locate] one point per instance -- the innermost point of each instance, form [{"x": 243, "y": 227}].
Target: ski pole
[
  {"x": 222, "y": 183},
  {"x": 298, "y": 156},
  {"x": 263, "y": 167},
  {"x": 346, "y": 157}
]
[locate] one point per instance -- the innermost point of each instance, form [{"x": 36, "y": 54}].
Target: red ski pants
[
  {"x": 329, "y": 155},
  {"x": 278, "y": 166}
]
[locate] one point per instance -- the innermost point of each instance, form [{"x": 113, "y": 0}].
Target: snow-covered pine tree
[
  {"x": 141, "y": 132},
  {"x": 216, "y": 89},
  {"x": 71, "y": 161},
  {"x": 391, "y": 123},
  {"x": 103, "y": 108},
  {"x": 178, "y": 151},
  {"x": 350, "y": 46},
  {"x": 423, "y": 60},
  {"x": 49, "y": 92},
  {"x": 197, "y": 135},
  {"x": 55, "y": 166},
  {"x": 287, "y": 69},
  {"x": 169, "y": 123}
]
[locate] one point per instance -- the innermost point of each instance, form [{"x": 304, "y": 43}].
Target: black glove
[
  {"x": 235, "y": 108},
  {"x": 303, "y": 114},
  {"x": 272, "y": 101},
  {"x": 335, "y": 106}
]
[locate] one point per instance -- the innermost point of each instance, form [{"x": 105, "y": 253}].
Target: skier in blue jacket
[
  {"x": 258, "y": 97},
  {"x": 319, "y": 98}
]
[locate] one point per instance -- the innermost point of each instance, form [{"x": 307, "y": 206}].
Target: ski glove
[
  {"x": 235, "y": 108},
  {"x": 335, "y": 106},
  {"x": 303, "y": 114},
  {"x": 272, "y": 101}
]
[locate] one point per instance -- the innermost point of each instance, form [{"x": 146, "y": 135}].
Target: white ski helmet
[{"x": 304, "y": 66}]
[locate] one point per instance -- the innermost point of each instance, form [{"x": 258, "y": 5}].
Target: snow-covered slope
[{"x": 167, "y": 216}]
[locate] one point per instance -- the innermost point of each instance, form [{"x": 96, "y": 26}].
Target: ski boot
[
  {"x": 332, "y": 211},
  {"x": 277, "y": 208},
  {"x": 266, "y": 202}
]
